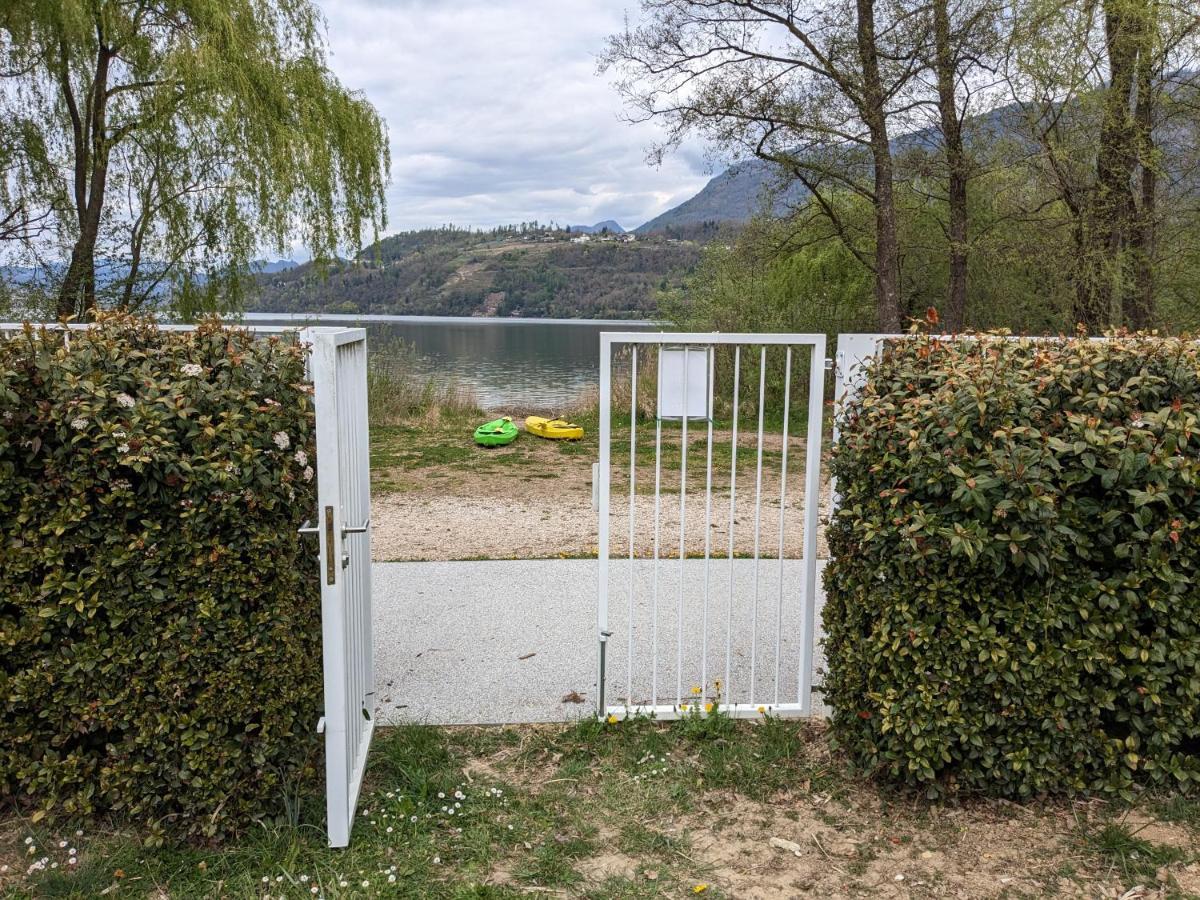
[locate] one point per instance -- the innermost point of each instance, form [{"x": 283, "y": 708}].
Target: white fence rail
[{"x": 737, "y": 632}]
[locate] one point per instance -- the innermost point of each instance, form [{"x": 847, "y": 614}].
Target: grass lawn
[
  {"x": 444, "y": 448},
  {"x": 704, "y": 807}
]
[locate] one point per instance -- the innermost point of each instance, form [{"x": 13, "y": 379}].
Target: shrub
[
  {"x": 1014, "y": 599},
  {"x": 159, "y": 626}
]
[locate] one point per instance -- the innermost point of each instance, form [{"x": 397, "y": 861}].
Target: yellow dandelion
[
  {"x": 696, "y": 692},
  {"x": 612, "y": 719},
  {"x": 762, "y": 710},
  {"x": 700, "y": 889},
  {"x": 708, "y": 707}
]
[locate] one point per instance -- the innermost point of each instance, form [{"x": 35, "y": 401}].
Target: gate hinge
[
  {"x": 321, "y": 725},
  {"x": 829, "y": 364}
]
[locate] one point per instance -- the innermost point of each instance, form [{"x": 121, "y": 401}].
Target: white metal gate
[
  {"x": 338, "y": 367},
  {"x": 743, "y": 628}
]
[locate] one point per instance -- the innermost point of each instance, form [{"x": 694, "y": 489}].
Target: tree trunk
[
  {"x": 889, "y": 312},
  {"x": 956, "y": 166},
  {"x": 1139, "y": 307},
  {"x": 77, "y": 295},
  {"x": 1112, "y": 204}
]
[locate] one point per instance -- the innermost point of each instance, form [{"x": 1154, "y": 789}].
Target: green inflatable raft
[{"x": 496, "y": 433}]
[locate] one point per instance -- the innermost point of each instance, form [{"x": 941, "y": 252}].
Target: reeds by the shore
[{"x": 398, "y": 392}]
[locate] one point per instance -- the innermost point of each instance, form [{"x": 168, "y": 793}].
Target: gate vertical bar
[
  {"x": 711, "y": 358},
  {"x": 733, "y": 448},
  {"x": 632, "y": 497},
  {"x": 787, "y": 410},
  {"x": 323, "y": 369},
  {"x": 812, "y": 513},
  {"x": 762, "y": 396},
  {"x": 657, "y": 506},
  {"x": 605, "y": 461},
  {"x": 683, "y": 445}
]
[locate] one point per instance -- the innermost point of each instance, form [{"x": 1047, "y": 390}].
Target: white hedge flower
[
  {"x": 192, "y": 370},
  {"x": 122, "y": 448},
  {"x": 282, "y": 441},
  {"x": 79, "y": 424},
  {"x": 301, "y": 458},
  {"x": 308, "y": 473},
  {"x": 125, "y": 400}
]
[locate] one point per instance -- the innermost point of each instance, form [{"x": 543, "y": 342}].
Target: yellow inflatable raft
[{"x": 555, "y": 429}]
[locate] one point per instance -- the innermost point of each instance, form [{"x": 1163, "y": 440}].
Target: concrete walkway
[{"x": 508, "y": 641}]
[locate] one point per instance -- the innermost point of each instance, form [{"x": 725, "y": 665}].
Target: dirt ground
[
  {"x": 535, "y": 501},
  {"x": 824, "y": 837}
]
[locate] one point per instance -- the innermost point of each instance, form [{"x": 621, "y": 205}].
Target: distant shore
[{"x": 640, "y": 324}]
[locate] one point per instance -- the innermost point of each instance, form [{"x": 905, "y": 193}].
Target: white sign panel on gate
[{"x": 683, "y": 380}]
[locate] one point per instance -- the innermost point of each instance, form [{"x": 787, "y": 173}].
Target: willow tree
[{"x": 176, "y": 139}]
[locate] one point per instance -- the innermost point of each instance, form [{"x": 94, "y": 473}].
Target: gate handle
[
  {"x": 356, "y": 529},
  {"x": 308, "y": 528}
]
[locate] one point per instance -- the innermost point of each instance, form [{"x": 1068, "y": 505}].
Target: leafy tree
[
  {"x": 171, "y": 139},
  {"x": 1098, "y": 85},
  {"x": 814, "y": 87}
]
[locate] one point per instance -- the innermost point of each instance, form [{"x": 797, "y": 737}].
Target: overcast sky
[{"x": 496, "y": 115}]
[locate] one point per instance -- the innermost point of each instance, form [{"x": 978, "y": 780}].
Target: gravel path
[
  {"x": 465, "y": 521},
  {"x": 510, "y": 641}
]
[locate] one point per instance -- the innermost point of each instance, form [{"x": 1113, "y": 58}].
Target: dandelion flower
[
  {"x": 700, "y": 889},
  {"x": 612, "y": 719},
  {"x": 695, "y": 691},
  {"x": 708, "y": 707},
  {"x": 762, "y": 710}
]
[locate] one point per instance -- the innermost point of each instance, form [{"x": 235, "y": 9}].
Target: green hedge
[
  {"x": 159, "y": 616},
  {"x": 1014, "y": 597}
]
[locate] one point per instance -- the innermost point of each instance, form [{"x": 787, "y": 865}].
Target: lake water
[{"x": 523, "y": 363}]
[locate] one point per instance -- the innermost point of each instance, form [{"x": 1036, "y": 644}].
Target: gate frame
[
  {"x": 813, "y": 453},
  {"x": 343, "y": 774}
]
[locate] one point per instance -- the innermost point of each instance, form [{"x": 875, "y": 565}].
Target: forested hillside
[{"x": 525, "y": 270}]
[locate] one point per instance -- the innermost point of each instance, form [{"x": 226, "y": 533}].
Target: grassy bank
[{"x": 639, "y": 809}]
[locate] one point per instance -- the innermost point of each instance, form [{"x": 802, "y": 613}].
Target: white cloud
[{"x": 496, "y": 114}]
